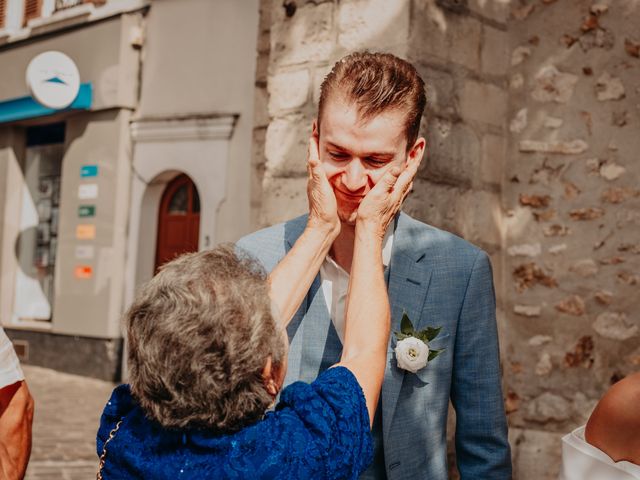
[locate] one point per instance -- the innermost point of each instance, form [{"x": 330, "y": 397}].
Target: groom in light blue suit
[{"x": 368, "y": 121}]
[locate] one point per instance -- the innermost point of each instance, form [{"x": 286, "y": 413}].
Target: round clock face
[{"x": 53, "y": 79}]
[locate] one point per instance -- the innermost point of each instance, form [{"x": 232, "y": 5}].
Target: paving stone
[{"x": 66, "y": 419}]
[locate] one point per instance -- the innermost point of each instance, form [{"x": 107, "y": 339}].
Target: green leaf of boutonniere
[
  {"x": 434, "y": 353},
  {"x": 431, "y": 332},
  {"x": 406, "y": 327}
]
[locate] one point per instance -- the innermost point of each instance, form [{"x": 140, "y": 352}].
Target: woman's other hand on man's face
[{"x": 384, "y": 200}]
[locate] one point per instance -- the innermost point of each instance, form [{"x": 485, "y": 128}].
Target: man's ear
[
  {"x": 314, "y": 128},
  {"x": 417, "y": 151}
]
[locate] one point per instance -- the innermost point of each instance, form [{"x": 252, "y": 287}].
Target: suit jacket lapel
[{"x": 409, "y": 277}]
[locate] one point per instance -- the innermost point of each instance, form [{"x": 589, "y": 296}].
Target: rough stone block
[
  {"x": 318, "y": 77},
  {"x": 464, "y": 41},
  {"x": 288, "y": 90},
  {"x": 611, "y": 171},
  {"x": 570, "y": 147},
  {"x": 434, "y": 204},
  {"x": 445, "y": 36},
  {"x": 373, "y": 23},
  {"x": 519, "y": 55},
  {"x": 286, "y": 145},
  {"x": 536, "y": 454},
  {"x": 519, "y": 121},
  {"x": 585, "y": 268},
  {"x": 615, "y": 326},
  {"x": 525, "y": 250},
  {"x": 440, "y": 91},
  {"x": 609, "y": 88},
  {"x": 260, "y": 107},
  {"x": 516, "y": 82},
  {"x": 494, "y": 158},
  {"x": 454, "y": 151},
  {"x": 494, "y": 56},
  {"x": 257, "y": 152},
  {"x": 544, "y": 365},
  {"x": 527, "y": 310},
  {"x": 308, "y": 36},
  {"x": 497, "y": 10},
  {"x": 551, "y": 85},
  {"x": 572, "y": 305},
  {"x": 284, "y": 198},
  {"x": 262, "y": 69},
  {"x": 480, "y": 218},
  {"x": 483, "y": 102}
]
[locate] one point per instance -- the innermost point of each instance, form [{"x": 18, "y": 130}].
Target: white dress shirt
[
  {"x": 583, "y": 461},
  {"x": 335, "y": 283},
  {"x": 10, "y": 371}
]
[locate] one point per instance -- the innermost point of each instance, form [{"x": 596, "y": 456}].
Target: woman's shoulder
[
  {"x": 335, "y": 394},
  {"x": 332, "y": 411}
]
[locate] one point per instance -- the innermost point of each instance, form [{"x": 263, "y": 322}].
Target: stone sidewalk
[{"x": 67, "y": 412}]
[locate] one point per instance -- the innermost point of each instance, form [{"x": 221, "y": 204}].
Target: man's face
[{"x": 356, "y": 153}]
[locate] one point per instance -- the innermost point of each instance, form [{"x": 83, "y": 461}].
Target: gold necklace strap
[{"x": 103, "y": 457}]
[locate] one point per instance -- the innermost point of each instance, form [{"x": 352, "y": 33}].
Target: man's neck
[{"x": 342, "y": 248}]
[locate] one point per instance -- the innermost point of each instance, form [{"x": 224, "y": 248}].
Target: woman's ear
[{"x": 270, "y": 376}]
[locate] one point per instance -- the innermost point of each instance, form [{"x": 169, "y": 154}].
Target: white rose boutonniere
[{"x": 412, "y": 350}]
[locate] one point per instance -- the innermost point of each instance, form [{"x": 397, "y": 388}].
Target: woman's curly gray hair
[{"x": 200, "y": 333}]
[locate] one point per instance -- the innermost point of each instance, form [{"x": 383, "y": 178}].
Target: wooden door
[{"x": 178, "y": 220}]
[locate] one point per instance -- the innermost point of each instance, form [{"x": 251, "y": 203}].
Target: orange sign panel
[
  {"x": 85, "y": 231},
  {"x": 83, "y": 272}
]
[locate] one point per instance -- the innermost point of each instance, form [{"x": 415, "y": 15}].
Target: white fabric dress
[
  {"x": 583, "y": 461},
  {"x": 10, "y": 371}
]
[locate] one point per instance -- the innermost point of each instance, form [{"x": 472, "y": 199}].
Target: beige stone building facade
[{"x": 152, "y": 158}]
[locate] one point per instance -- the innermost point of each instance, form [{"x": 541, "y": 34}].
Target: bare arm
[
  {"x": 291, "y": 279},
  {"x": 367, "y": 309},
  {"x": 16, "y": 417}
]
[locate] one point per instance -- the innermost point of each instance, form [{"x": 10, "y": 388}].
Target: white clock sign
[{"x": 53, "y": 79}]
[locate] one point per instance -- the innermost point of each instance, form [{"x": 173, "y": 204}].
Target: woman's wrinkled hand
[
  {"x": 384, "y": 200},
  {"x": 323, "y": 208}
]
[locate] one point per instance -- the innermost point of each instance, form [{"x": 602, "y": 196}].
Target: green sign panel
[{"x": 87, "y": 211}]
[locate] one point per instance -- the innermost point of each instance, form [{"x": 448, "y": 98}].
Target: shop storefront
[
  {"x": 125, "y": 140},
  {"x": 65, "y": 175}
]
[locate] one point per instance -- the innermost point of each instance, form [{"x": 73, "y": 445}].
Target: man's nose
[{"x": 355, "y": 175}]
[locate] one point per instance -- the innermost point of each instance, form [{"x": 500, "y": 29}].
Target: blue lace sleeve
[{"x": 334, "y": 410}]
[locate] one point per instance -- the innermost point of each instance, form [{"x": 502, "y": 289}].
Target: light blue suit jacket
[{"x": 439, "y": 280}]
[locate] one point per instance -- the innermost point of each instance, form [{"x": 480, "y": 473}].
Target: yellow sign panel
[
  {"x": 83, "y": 272},
  {"x": 86, "y": 232}
]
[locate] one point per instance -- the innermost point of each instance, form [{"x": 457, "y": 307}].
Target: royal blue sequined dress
[{"x": 319, "y": 430}]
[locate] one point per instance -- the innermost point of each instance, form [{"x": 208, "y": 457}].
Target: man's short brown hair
[{"x": 376, "y": 82}]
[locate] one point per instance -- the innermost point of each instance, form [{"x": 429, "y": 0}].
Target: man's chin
[{"x": 348, "y": 217}]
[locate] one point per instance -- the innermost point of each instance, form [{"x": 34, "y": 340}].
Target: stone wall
[
  {"x": 530, "y": 128},
  {"x": 571, "y": 201}
]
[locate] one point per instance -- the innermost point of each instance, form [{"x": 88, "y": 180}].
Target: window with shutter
[
  {"x": 62, "y": 4},
  {"x": 3, "y": 12},
  {"x": 32, "y": 9}
]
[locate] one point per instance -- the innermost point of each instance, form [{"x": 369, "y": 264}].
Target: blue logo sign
[{"x": 89, "y": 171}]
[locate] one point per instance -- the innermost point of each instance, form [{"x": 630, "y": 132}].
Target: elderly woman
[{"x": 208, "y": 356}]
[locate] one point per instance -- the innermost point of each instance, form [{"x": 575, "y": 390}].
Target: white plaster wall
[
  {"x": 199, "y": 59},
  {"x": 14, "y": 182},
  {"x": 200, "y": 149}
]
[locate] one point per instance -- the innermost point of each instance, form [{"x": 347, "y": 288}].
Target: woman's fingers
[
  {"x": 322, "y": 201},
  {"x": 313, "y": 158}
]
